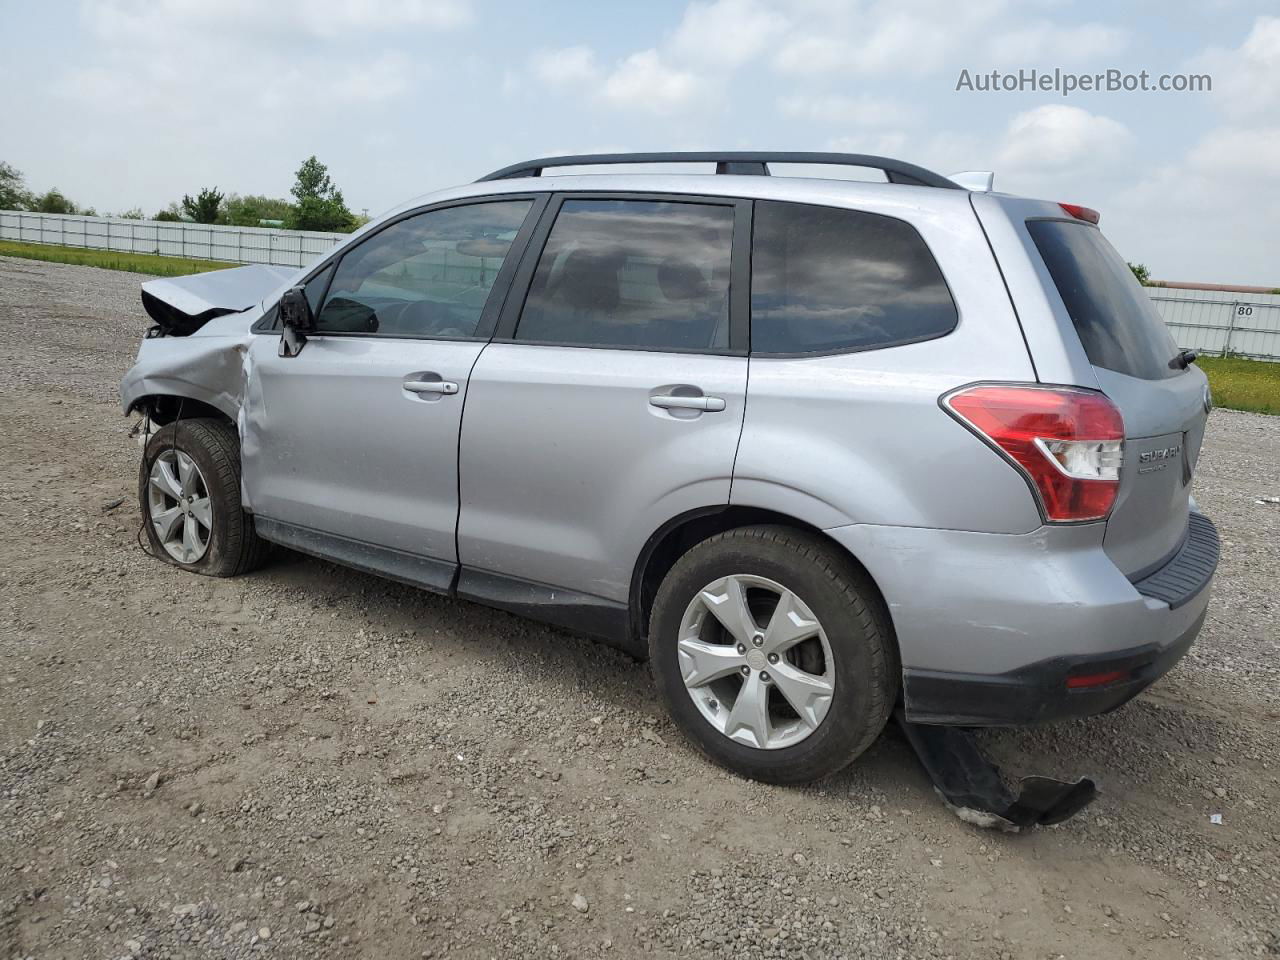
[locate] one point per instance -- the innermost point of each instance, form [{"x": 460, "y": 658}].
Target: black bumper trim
[
  {"x": 1191, "y": 568},
  {"x": 1038, "y": 692}
]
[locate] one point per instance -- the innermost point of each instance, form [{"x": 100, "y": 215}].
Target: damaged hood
[{"x": 181, "y": 305}]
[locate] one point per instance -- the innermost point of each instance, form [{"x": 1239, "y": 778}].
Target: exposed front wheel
[
  {"x": 771, "y": 653},
  {"x": 189, "y": 493}
]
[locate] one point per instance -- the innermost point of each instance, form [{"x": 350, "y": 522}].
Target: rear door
[
  {"x": 353, "y": 442},
  {"x": 1135, "y": 361},
  {"x": 612, "y": 397}
]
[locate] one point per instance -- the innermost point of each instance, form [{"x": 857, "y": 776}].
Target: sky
[{"x": 121, "y": 103}]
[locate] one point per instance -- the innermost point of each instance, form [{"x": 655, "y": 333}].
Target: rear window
[
  {"x": 1115, "y": 319},
  {"x": 825, "y": 280}
]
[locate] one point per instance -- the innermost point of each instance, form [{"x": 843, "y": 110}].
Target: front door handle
[
  {"x": 447, "y": 387},
  {"x": 671, "y": 402}
]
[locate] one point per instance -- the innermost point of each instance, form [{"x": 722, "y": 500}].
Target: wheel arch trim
[
  {"x": 152, "y": 389},
  {"x": 696, "y": 525}
]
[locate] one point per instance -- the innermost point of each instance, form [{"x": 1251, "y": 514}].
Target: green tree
[
  {"x": 14, "y": 194},
  {"x": 54, "y": 202},
  {"x": 170, "y": 214},
  {"x": 1142, "y": 273},
  {"x": 358, "y": 220},
  {"x": 250, "y": 211},
  {"x": 134, "y": 213},
  {"x": 319, "y": 205},
  {"x": 205, "y": 207}
]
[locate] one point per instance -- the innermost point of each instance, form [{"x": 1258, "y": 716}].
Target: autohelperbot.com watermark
[{"x": 1065, "y": 82}]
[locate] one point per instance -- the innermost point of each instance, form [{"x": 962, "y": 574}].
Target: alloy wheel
[
  {"x": 756, "y": 661},
  {"x": 178, "y": 506}
]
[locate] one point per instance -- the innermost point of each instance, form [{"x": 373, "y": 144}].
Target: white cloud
[
  {"x": 180, "y": 58},
  {"x": 1044, "y": 45},
  {"x": 812, "y": 54},
  {"x": 890, "y": 36},
  {"x": 136, "y": 22},
  {"x": 711, "y": 38},
  {"x": 839, "y": 111},
  {"x": 1055, "y": 138},
  {"x": 887, "y": 143},
  {"x": 567, "y": 67},
  {"x": 725, "y": 33},
  {"x": 903, "y": 42},
  {"x": 385, "y": 77},
  {"x": 646, "y": 81},
  {"x": 1246, "y": 80},
  {"x": 1232, "y": 153},
  {"x": 1209, "y": 215}
]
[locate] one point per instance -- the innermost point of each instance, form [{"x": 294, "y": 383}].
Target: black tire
[
  {"x": 847, "y": 605},
  {"x": 233, "y": 545}
]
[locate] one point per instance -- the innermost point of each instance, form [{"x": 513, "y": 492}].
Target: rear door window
[
  {"x": 827, "y": 280},
  {"x": 1115, "y": 319},
  {"x": 643, "y": 274}
]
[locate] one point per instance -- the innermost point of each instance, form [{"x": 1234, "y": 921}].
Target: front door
[{"x": 350, "y": 447}]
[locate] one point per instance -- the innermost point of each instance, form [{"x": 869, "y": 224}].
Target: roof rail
[{"x": 735, "y": 162}]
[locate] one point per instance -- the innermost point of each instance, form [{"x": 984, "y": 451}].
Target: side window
[
  {"x": 316, "y": 287},
  {"x": 826, "y": 279},
  {"x": 426, "y": 276},
  {"x": 633, "y": 273}
]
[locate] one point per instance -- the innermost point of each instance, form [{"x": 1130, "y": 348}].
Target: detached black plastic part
[{"x": 973, "y": 788}]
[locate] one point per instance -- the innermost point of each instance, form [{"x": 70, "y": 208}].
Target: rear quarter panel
[
  {"x": 860, "y": 437},
  {"x": 1046, "y": 325}
]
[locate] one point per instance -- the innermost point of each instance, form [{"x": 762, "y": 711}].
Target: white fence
[
  {"x": 1207, "y": 321},
  {"x": 197, "y": 241},
  {"x": 1213, "y": 321}
]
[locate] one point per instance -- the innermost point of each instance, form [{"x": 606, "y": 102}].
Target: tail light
[
  {"x": 1068, "y": 443},
  {"x": 1086, "y": 214}
]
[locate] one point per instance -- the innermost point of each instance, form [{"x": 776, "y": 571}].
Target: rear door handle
[
  {"x": 447, "y": 387},
  {"x": 670, "y": 402}
]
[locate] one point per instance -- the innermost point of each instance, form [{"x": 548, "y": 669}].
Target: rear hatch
[{"x": 1164, "y": 403}]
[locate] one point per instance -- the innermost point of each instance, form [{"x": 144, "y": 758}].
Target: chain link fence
[
  {"x": 1220, "y": 322},
  {"x": 196, "y": 241}
]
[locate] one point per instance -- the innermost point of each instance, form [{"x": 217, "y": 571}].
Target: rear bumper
[
  {"x": 1038, "y": 692},
  {"x": 992, "y": 627}
]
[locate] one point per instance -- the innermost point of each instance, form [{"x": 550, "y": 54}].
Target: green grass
[
  {"x": 1241, "y": 384},
  {"x": 157, "y": 266}
]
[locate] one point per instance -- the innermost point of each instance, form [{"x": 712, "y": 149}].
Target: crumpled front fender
[{"x": 210, "y": 369}]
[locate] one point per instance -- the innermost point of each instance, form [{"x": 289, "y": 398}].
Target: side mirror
[{"x": 297, "y": 319}]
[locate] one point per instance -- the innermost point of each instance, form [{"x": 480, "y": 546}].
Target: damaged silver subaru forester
[{"x": 815, "y": 447}]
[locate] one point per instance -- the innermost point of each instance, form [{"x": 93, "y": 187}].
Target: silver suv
[{"x": 816, "y": 448}]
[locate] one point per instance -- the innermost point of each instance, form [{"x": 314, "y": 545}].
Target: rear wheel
[
  {"x": 771, "y": 653},
  {"x": 189, "y": 492}
]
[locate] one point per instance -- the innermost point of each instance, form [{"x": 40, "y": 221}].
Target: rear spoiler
[
  {"x": 979, "y": 181},
  {"x": 182, "y": 305}
]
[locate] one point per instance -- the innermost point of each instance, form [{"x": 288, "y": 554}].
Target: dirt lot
[{"x": 308, "y": 762}]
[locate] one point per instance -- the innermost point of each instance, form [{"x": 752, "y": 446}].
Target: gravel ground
[{"x": 308, "y": 762}]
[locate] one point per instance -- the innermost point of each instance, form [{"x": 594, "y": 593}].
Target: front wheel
[
  {"x": 771, "y": 652},
  {"x": 189, "y": 492}
]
